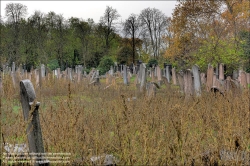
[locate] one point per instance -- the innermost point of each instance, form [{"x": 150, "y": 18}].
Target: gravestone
[
  {"x": 243, "y": 79},
  {"x": 30, "y": 112},
  {"x": 180, "y": 81},
  {"x": 13, "y": 75},
  {"x": 217, "y": 71},
  {"x": 221, "y": 71},
  {"x": 111, "y": 70},
  {"x": 143, "y": 77},
  {"x": 58, "y": 71},
  {"x": 152, "y": 74},
  {"x": 235, "y": 74},
  {"x": 125, "y": 76},
  {"x": 174, "y": 76},
  {"x": 197, "y": 80},
  {"x": 1, "y": 85},
  {"x": 188, "y": 83},
  {"x": 168, "y": 73},
  {"x": 159, "y": 76},
  {"x": 248, "y": 78},
  {"x": 203, "y": 78},
  {"x": 210, "y": 75},
  {"x": 42, "y": 70}
]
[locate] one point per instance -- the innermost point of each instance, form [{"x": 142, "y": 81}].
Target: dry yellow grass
[{"x": 86, "y": 120}]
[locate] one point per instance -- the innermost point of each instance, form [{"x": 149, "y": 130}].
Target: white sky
[{"x": 92, "y": 9}]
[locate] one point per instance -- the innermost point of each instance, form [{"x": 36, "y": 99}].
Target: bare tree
[
  {"x": 155, "y": 26},
  {"x": 107, "y": 24},
  {"x": 131, "y": 28},
  {"x": 15, "y": 12}
]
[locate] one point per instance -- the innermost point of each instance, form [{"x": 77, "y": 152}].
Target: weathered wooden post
[{"x": 30, "y": 110}]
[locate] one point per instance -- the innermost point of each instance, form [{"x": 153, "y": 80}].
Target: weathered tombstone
[
  {"x": 235, "y": 74},
  {"x": 221, "y": 71},
  {"x": 203, "y": 78},
  {"x": 151, "y": 89},
  {"x": 58, "y": 71},
  {"x": 168, "y": 73},
  {"x": 13, "y": 74},
  {"x": 13, "y": 67},
  {"x": 111, "y": 70},
  {"x": 188, "y": 82},
  {"x": 1, "y": 85},
  {"x": 197, "y": 80},
  {"x": 40, "y": 77},
  {"x": 152, "y": 74},
  {"x": 159, "y": 76},
  {"x": 143, "y": 77},
  {"x": 30, "y": 112},
  {"x": 42, "y": 70},
  {"x": 243, "y": 79},
  {"x": 248, "y": 78},
  {"x": 210, "y": 75},
  {"x": 180, "y": 81},
  {"x": 174, "y": 76},
  {"x": 217, "y": 71},
  {"x": 125, "y": 77}
]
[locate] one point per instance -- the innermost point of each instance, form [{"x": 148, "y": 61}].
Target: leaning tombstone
[
  {"x": 31, "y": 115},
  {"x": 197, "y": 80}
]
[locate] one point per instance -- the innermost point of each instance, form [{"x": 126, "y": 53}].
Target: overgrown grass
[{"x": 86, "y": 120}]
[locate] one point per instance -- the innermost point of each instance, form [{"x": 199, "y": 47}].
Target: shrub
[
  {"x": 152, "y": 62},
  {"x": 53, "y": 64},
  {"x": 105, "y": 64}
]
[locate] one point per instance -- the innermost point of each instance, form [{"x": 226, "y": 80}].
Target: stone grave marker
[
  {"x": 168, "y": 73},
  {"x": 174, "y": 76},
  {"x": 243, "y": 79},
  {"x": 203, "y": 78},
  {"x": 159, "y": 76},
  {"x": 143, "y": 77},
  {"x": 30, "y": 112},
  {"x": 125, "y": 77},
  {"x": 180, "y": 81},
  {"x": 188, "y": 83},
  {"x": 197, "y": 80},
  {"x": 221, "y": 71},
  {"x": 210, "y": 75},
  {"x": 248, "y": 78},
  {"x": 235, "y": 74}
]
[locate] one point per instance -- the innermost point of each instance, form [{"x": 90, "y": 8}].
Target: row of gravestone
[{"x": 190, "y": 81}]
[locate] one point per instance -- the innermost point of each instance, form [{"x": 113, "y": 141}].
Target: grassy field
[{"x": 87, "y": 120}]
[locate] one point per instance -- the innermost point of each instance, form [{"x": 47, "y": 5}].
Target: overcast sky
[{"x": 92, "y": 9}]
